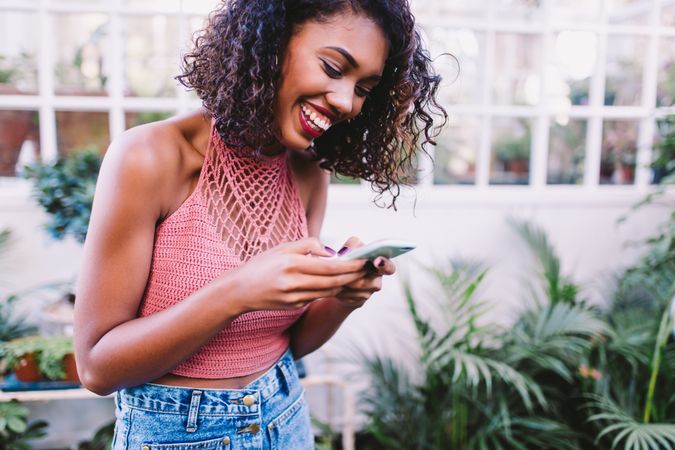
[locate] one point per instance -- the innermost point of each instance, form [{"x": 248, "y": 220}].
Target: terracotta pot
[
  {"x": 27, "y": 369},
  {"x": 71, "y": 368}
]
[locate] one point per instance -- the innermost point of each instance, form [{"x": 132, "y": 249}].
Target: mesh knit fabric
[{"x": 240, "y": 207}]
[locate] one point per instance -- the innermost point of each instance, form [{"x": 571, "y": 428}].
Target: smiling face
[{"x": 327, "y": 72}]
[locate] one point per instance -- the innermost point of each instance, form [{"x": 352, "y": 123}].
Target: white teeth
[{"x": 315, "y": 119}]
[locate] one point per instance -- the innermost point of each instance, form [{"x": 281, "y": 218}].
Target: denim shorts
[{"x": 269, "y": 413}]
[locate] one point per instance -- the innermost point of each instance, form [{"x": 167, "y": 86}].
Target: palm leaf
[{"x": 622, "y": 428}]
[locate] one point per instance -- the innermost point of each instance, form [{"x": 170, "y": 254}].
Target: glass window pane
[
  {"x": 519, "y": 9},
  {"x": 568, "y": 74},
  {"x": 457, "y": 9},
  {"x": 151, "y": 56},
  {"x": 458, "y": 58},
  {"x": 18, "y": 53},
  {"x": 629, "y": 12},
  {"x": 76, "y": 130},
  {"x": 196, "y": 24},
  {"x": 510, "y": 155},
  {"x": 200, "y": 6},
  {"x": 625, "y": 59},
  {"x": 566, "y": 151},
  {"x": 668, "y": 14},
  {"x": 516, "y": 76},
  {"x": 81, "y": 48},
  {"x": 19, "y": 140},
  {"x": 457, "y": 151},
  {"x": 665, "y": 93},
  {"x": 135, "y": 118},
  {"x": 158, "y": 5},
  {"x": 619, "y": 144},
  {"x": 664, "y": 148},
  {"x": 575, "y": 10}
]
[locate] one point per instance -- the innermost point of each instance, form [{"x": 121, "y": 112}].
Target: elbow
[{"x": 94, "y": 381}]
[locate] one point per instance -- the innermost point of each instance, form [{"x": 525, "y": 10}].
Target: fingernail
[
  {"x": 343, "y": 250},
  {"x": 379, "y": 262},
  {"x": 329, "y": 250}
]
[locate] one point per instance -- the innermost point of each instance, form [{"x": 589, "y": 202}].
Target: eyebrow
[{"x": 350, "y": 59}]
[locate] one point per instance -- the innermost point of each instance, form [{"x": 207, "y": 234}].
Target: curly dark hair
[{"x": 235, "y": 69}]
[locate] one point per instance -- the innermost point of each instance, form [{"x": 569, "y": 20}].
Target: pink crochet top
[{"x": 240, "y": 207}]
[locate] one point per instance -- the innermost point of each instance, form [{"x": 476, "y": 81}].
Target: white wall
[{"x": 448, "y": 222}]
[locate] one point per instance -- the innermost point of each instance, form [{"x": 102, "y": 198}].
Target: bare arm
[
  {"x": 323, "y": 318},
  {"x": 113, "y": 347}
]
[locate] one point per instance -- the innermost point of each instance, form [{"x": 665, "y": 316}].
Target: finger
[
  {"x": 370, "y": 285},
  {"x": 384, "y": 266},
  {"x": 349, "y": 245},
  {"x": 307, "y": 246},
  {"x": 319, "y": 266},
  {"x": 305, "y": 297},
  {"x": 304, "y": 282}
]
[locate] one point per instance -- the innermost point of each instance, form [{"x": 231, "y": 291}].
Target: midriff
[{"x": 209, "y": 383}]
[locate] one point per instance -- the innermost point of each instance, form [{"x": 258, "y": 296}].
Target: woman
[{"x": 201, "y": 278}]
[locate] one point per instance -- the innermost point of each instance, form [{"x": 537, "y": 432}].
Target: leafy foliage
[
  {"x": 65, "y": 189},
  {"x": 14, "y": 428},
  {"x": 565, "y": 375},
  {"x": 102, "y": 439},
  {"x": 48, "y": 350}
]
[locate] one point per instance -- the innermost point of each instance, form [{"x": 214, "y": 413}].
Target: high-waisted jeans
[{"x": 270, "y": 413}]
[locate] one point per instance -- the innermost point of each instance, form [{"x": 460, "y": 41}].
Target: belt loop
[
  {"x": 194, "y": 410},
  {"x": 285, "y": 375}
]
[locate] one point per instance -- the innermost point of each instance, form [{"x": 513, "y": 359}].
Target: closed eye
[
  {"x": 331, "y": 71},
  {"x": 361, "y": 92}
]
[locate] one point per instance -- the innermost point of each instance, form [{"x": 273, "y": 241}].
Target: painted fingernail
[
  {"x": 380, "y": 263},
  {"x": 329, "y": 250},
  {"x": 343, "y": 250}
]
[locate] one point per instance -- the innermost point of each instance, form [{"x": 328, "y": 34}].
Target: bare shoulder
[
  {"x": 148, "y": 150},
  {"x": 159, "y": 159}
]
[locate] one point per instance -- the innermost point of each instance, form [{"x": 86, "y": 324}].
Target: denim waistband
[{"x": 180, "y": 400}]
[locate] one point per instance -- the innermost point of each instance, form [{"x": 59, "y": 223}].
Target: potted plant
[
  {"x": 39, "y": 358},
  {"x": 15, "y": 430}
]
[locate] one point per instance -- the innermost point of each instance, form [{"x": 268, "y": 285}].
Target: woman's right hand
[{"x": 290, "y": 276}]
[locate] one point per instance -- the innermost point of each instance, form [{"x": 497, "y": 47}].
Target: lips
[{"x": 312, "y": 121}]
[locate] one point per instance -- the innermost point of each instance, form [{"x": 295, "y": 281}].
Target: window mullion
[
  {"x": 649, "y": 88},
  {"x": 48, "y": 136},
  {"x": 483, "y": 157},
  {"x": 116, "y": 83},
  {"x": 539, "y": 144},
  {"x": 597, "y": 102}
]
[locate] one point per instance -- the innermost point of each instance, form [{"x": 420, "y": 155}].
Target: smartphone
[{"x": 389, "y": 248}]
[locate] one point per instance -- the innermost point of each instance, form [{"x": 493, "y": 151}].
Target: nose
[{"x": 341, "y": 101}]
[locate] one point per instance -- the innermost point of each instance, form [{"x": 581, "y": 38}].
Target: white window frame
[{"x": 115, "y": 104}]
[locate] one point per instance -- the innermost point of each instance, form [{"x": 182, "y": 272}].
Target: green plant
[
  {"x": 49, "y": 352},
  {"x": 15, "y": 68},
  {"x": 663, "y": 164},
  {"x": 13, "y": 326},
  {"x": 14, "y": 428},
  {"x": 65, "y": 189},
  {"x": 102, "y": 439},
  {"x": 476, "y": 386},
  {"x": 565, "y": 375}
]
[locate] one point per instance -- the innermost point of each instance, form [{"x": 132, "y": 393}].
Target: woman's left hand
[{"x": 355, "y": 294}]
